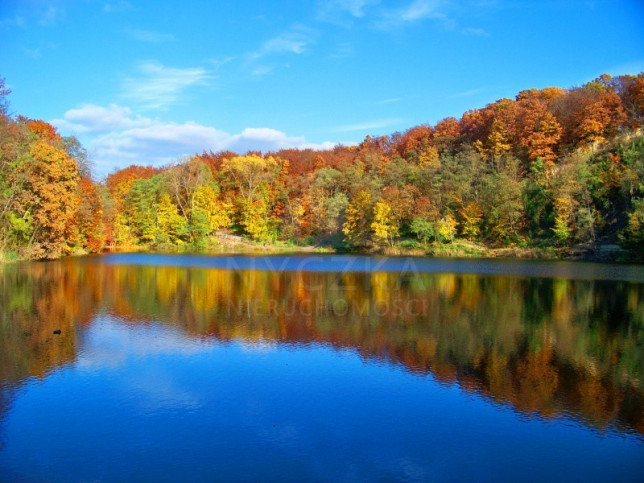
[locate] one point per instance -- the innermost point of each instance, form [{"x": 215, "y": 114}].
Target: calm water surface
[{"x": 320, "y": 367}]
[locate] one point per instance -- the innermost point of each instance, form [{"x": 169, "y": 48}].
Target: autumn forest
[{"x": 551, "y": 170}]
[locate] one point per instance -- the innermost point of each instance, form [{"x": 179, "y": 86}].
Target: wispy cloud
[
  {"x": 420, "y": 9},
  {"x": 478, "y": 32},
  {"x": 40, "y": 13},
  {"x": 293, "y": 41},
  {"x": 261, "y": 70},
  {"x": 117, "y": 6},
  {"x": 468, "y": 93},
  {"x": 51, "y": 15},
  {"x": 343, "y": 12},
  {"x": 415, "y": 11},
  {"x": 367, "y": 125},
  {"x": 342, "y": 51},
  {"x": 219, "y": 63},
  {"x": 149, "y": 36},
  {"x": 16, "y": 20},
  {"x": 390, "y": 101},
  {"x": 484, "y": 3},
  {"x": 33, "y": 53},
  {"x": 158, "y": 86}
]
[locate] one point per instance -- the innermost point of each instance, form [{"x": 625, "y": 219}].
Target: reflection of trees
[
  {"x": 35, "y": 303},
  {"x": 542, "y": 345}
]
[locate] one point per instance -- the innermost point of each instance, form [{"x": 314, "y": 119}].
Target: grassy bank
[
  {"x": 464, "y": 249},
  {"x": 8, "y": 257},
  {"x": 456, "y": 249}
]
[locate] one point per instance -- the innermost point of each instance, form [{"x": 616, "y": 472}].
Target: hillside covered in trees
[{"x": 552, "y": 168}]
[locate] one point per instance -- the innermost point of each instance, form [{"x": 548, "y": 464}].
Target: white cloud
[
  {"x": 471, "y": 92},
  {"x": 414, "y": 12},
  {"x": 33, "y": 12},
  {"x": 218, "y": 63},
  {"x": 159, "y": 86},
  {"x": 156, "y": 144},
  {"x": 90, "y": 118},
  {"x": 478, "y": 32},
  {"x": 390, "y": 100},
  {"x": 267, "y": 139},
  {"x": 16, "y": 20},
  {"x": 419, "y": 9},
  {"x": 342, "y": 11},
  {"x": 117, "y": 6},
  {"x": 293, "y": 41},
  {"x": 286, "y": 43},
  {"x": 365, "y": 126},
  {"x": 51, "y": 15},
  {"x": 342, "y": 51},
  {"x": 115, "y": 137},
  {"x": 149, "y": 36},
  {"x": 33, "y": 53},
  {"x": 261, "y": 70}
]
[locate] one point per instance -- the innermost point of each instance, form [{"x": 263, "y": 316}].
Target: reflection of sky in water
[
  {"x": 109, "y": 342},
  {"x": 150, "y": 398},
  {"x": 170, "y": 378},
  {"x": 110, "y": 345}
]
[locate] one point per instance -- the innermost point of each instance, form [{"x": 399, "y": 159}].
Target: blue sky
[{"x": 149, "y": 81}]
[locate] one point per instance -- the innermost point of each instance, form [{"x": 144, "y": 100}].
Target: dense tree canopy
[{"x": 551, "y": 167}]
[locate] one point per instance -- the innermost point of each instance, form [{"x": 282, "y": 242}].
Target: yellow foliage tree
[
  {"x": 214, "y": 212},
  {"x": 564, "y": 208},
  {"x": 358, "y": 218},
  {"x": 429, "y": 158},
  {"x": 447, "y": 228},
  {"x": 53, "y": 197},
  {"x": 171, "y": 226},
  {"x": 250, "y": 173},
  {"x": 384, "y": 225},
  {"x": 472, "y": 216},
  {"x": 255, "y": 220}
]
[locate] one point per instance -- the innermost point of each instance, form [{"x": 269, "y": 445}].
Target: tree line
[{"x": 550, "y": 168}]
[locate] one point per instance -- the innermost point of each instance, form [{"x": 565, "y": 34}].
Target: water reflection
[{"x": 545, "y": 346}]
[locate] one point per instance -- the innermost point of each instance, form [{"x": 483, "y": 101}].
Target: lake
[{"x": 321, "y": 367}]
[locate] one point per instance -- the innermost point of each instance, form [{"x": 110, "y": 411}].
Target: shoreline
[{"x": 606, "y": 253}]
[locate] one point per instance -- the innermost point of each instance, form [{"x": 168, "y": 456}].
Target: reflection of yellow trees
[
  {"x": 597, "y": 402},
  {"x": 541, "y": 345},
  {"x": 35, "y": 303},
  {"x": 538, "y": 380}
]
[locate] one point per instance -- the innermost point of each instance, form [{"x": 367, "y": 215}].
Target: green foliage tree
[
  {"x": 423, "y": 229},
  {"x": 635, "y": 228},
  {"x": 505, "y": 214},
  {"x": 140, "y": 210}
]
